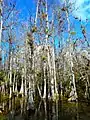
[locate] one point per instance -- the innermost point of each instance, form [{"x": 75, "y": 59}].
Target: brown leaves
[
  {"x": 10, "y": 40},
  {"x": 73, "y": 33},
  {"x": 64, "y": 9},
  {"x": 83, "y": 31},
  {"x": 46, "y": 30},
  {"x": 44, "y": 3},
  {"x": 34, "y": 29},
  {"x": 44, "y": 15},
  {"x": 76, "y": 18},
  {"x": 30, "y": 39}
]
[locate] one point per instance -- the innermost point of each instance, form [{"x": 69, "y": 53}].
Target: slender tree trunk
[
  {"x": 25, "y": 80},
  {"x": 25, "y": 70},
  {"x": 16, "y": 90},
  {"x": 54, "y": 70},
  {"x": 73, "y": 76},
  {"x": 22, "y": 86},
  {"x": 14, "y": 79},
  {"x": 37, "y": 12},
  {"x": 71, "y": 58},
  {"x": 44, "y": 95},
  {"x": 10, "y": 75},
  {"x": 87, "y": 94}
]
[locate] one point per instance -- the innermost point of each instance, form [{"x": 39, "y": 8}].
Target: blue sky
[
  {"x": 28, "y": 7},
  {"x": 81, "y": 10},
  {"x": 82, "y": 7}
]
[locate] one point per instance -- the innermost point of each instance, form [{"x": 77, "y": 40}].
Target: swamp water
[{"x": 20, "y": 109}]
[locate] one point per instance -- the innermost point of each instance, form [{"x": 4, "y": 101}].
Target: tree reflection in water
[{"x": 20, "y": 109}]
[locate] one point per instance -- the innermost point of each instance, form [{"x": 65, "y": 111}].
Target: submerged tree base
[{"x": 20, "y": 109}]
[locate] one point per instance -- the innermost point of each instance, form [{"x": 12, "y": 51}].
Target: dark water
[{"x": 42, "y": 110}]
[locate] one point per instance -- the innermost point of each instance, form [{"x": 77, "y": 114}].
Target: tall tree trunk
[
  {"x": 87, "y": 92},
  {"x": 44, "y": 67},
  {"x": 22, "y": 86},
  {"x": 10, "y": 72},
  {"x": 54, "y": 70},
  {"x": 73, "y": 92},
  {"x": 25, "y": 79},
  {"x": 14, "y": 79}
]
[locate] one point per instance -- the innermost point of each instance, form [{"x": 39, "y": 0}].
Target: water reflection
[{"x": 20, "y": 109}]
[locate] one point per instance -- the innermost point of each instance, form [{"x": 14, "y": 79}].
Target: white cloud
[{"x": 82, "y": 9}]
